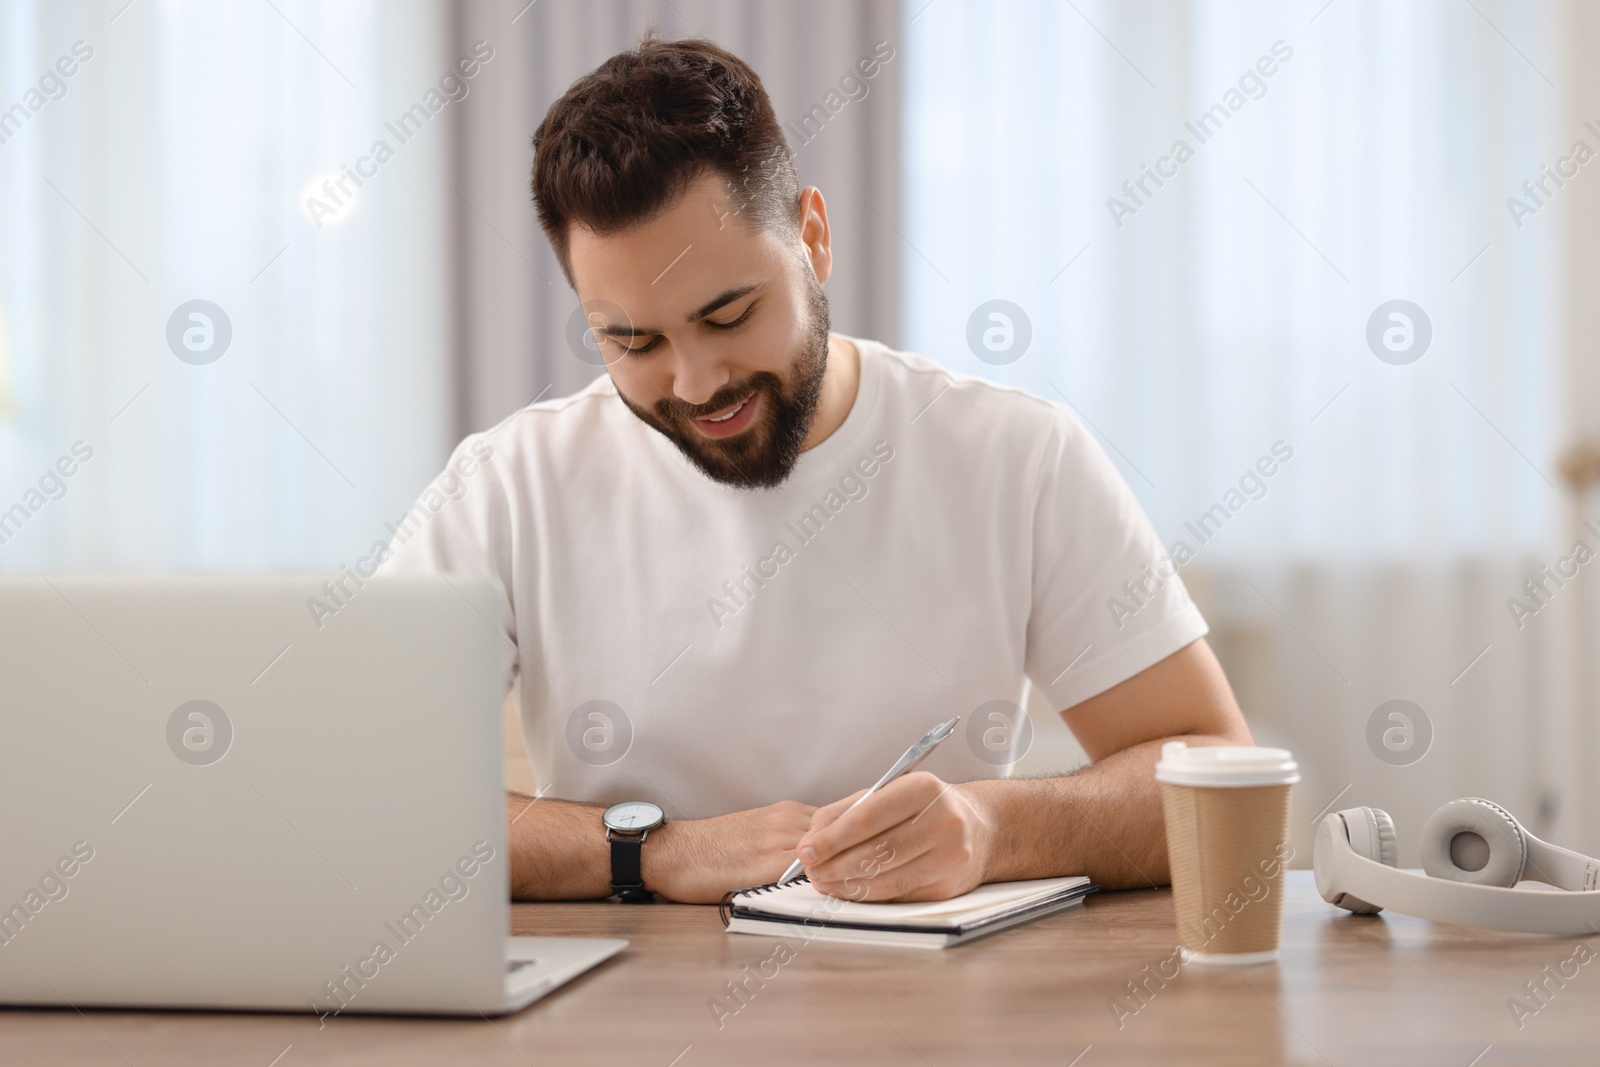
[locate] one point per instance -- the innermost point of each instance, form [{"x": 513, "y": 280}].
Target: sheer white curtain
[
  {"x": 175, "y": 164},
  {"x": 1338, "y": 157}
]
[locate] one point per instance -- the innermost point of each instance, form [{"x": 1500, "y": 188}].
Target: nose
[{"x": 697, "y": 374}]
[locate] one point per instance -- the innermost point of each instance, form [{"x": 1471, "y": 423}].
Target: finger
[
  {"x": 870, "y": 862},
  {"x": 930, "y": 875},
  {"x": 935, "y": 888},
  {"x": 856, "y": 821},
  {"x": 823, "y": 816},
  {"x": 901, "y": 844},
  {"x": 909, "y": 875},
  {"x": 902, "y": 800}
]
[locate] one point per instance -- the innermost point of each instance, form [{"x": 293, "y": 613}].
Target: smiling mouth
[
  {"x": 731, "y": 411},
  {"x": 729, "y": 421}
]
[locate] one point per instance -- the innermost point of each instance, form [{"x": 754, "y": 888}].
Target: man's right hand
[{"x": 696, "y": 861}]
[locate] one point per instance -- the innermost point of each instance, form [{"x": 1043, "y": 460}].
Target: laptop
[{"x": 261, "y": 793}]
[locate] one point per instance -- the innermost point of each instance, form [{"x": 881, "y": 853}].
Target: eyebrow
[{"x": 711, "y": 307}]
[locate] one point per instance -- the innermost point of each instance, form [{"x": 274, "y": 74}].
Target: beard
[{"x": 763, "y": 456}]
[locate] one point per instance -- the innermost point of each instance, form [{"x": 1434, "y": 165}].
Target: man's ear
[{"x": 814, "y": 233}]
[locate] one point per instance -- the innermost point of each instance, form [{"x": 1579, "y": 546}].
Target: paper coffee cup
[{"x": 1227, "y": 813}]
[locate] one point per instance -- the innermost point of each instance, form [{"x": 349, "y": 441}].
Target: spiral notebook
[{"x": 798, "y": 910}]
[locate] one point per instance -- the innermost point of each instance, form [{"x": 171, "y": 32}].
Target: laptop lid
[{"x": 217, "y": 795}]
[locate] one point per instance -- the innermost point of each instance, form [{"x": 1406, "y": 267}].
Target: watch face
[{"x": 633, "y": 816}]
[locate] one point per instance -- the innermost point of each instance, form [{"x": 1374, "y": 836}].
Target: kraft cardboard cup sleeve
[{"x": 1227, "y": 812}]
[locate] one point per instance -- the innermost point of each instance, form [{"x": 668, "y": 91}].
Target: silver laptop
[{"x": 263, "y": 793}]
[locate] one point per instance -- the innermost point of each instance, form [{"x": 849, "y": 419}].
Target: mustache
[{"x": 670, "y": 408}]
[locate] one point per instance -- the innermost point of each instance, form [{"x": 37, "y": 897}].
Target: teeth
[{"x": 732, "y": 413}]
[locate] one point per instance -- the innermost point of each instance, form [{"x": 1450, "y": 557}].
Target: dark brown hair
[{"x": 627, "y": 139}]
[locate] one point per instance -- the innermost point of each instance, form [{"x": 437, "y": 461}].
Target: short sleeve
[
  {"x": 461, "y": 525},
  {"x": 1107, "y": 598}
]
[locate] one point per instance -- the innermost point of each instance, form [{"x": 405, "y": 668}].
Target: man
[{"x": 755, "y": 560}]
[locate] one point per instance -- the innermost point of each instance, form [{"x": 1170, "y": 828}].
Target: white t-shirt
[{"x": 713, "y": 649}]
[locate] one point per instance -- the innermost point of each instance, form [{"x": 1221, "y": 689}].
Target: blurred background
[{"x": 1344, "y": 232}]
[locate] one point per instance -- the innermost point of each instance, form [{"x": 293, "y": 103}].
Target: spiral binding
[{"x": 725, "y": 905}]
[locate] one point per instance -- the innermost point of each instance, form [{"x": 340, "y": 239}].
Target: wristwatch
[{"x": 627, "y": 825}]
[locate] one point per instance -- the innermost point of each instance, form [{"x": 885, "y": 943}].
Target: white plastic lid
[{"x": 1225, "y": 765}]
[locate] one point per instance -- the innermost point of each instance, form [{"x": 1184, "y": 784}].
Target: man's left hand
[{"x": 917, "y": 838}]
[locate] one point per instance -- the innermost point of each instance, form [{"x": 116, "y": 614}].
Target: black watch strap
[{"x": 627, "y": 877}]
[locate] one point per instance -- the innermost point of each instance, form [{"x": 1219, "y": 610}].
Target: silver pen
[{"x": 914, "y": 755}]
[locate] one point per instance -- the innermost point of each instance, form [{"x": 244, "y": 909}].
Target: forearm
[
  {"x": 559, "y": 850},
  {"x": 1104, "y": 821}
]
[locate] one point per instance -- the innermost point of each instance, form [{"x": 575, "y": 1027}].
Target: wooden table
[{"x": 1391, "y": 990}]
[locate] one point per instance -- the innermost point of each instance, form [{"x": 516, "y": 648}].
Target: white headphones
[{"x": 1474, "y": 852}]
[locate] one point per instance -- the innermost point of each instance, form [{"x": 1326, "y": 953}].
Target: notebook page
[{"x": 802, "y": 900}]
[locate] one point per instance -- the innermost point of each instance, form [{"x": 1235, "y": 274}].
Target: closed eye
[
  {"x": 636, "y": 350},
  {"x": 639, "y": 350},
  {"x": 730, "y": 325}
]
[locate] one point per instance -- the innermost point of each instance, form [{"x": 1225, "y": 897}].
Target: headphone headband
[
  {"x": 1562, "y": 867},
  {"x": 1341, "y": 870}
]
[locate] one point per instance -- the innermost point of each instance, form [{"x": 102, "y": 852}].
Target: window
[
  {"x": 174, "y": 164},
  {"x": 1338, "y": 159}
]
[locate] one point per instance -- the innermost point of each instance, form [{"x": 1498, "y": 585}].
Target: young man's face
[{"x": 715, "y": 332}]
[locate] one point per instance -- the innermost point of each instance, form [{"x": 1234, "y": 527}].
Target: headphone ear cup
[
  {"x": 1387, "y": 841},
  {"x": 1372, "y": 837},
  {"x": 1474, "y": 840}
]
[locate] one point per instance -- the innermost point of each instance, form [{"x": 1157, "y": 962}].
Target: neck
[{"x": 839, "y": 381}]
